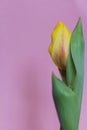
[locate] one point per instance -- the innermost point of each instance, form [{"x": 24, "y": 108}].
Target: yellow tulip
[{"x": 59, "y": 47}]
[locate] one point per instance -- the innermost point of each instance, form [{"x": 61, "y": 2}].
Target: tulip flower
[
  {"x": 59, "y": 46},
  {"x": 67, "y": 52}
]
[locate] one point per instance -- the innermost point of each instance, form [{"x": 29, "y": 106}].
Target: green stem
[
  {"x": 66, "y": 129},
  {"x": 63, "y": 75}
]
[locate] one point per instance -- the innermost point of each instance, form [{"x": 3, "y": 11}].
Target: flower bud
[{"x": 59, "y": 47}]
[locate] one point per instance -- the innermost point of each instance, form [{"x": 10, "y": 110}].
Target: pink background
[{"x": 25, "y": 66}]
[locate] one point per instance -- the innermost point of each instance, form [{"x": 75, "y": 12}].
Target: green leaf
[
  {"x": 75, "y": 63},
  {"x": 66, "y": 104}
]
